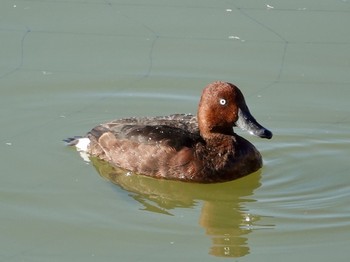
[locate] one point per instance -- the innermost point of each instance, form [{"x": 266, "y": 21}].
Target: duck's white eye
[{"x": 222, "y": 101}]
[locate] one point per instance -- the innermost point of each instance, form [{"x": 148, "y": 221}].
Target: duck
[{"x": 200, "y": 148}]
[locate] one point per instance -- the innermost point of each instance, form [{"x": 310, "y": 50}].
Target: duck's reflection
[{"x": 223, "y": 215}]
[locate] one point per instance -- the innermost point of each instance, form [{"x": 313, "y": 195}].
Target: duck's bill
[{"x": 247, "y": 122}]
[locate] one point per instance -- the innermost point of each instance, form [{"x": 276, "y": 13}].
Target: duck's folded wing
[{"x": 164, "y": 135}]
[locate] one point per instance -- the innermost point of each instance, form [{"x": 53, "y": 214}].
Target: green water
[{"x": 66, "y": 66}]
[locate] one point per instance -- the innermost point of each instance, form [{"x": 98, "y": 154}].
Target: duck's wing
[{"x": 157, "y": 150}]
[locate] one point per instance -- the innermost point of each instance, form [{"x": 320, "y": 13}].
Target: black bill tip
[{"x": 264, "y": 133}]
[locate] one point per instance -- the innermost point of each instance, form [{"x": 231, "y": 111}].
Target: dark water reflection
[{"x": 224, "y": 216}]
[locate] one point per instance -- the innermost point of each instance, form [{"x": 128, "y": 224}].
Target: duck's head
[{"x": 222, "y": 106}]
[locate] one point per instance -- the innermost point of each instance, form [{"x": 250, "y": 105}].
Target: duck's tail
[
  {"x": 80, "y": 142},
  {"x": 72, "y": 141}
]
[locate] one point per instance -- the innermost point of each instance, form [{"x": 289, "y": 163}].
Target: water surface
[{"x": 68, "y": 65}]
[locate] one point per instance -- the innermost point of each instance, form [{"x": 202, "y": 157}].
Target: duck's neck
[
  {"x": 210, "y": 129},
  {"x": 220, "y": 140},
  {"x": 217, "y": 133}
]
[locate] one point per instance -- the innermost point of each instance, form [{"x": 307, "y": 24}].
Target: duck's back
[{"x": 186, "y": 122}]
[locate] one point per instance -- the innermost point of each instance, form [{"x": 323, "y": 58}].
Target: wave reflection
[{"x": 224, "y": 215}]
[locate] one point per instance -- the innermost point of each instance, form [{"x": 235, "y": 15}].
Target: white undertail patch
[
  {"x": 82, "y": 147},
  {"x": 82, "y": 144}
]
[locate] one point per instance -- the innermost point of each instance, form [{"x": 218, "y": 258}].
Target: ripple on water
[
  {"x": 306, "y": 182},
  {"x": 302, "y": 188}
]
